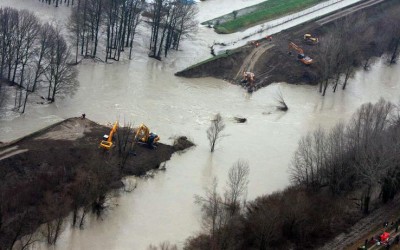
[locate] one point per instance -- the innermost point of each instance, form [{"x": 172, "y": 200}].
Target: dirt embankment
[
  {"x": 59, "y": 169},
  {"x": 272, "y": 62},
  {"x": 75, "y": 141}
]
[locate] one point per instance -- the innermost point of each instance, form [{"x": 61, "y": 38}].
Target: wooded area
[
  {"x": 112, "y": 25},
  {"x": 32, "y": 56},
  {"x": 335, "y": 175},
  {"x": 36, "y": 56},
  {"x": 354, "y": 42}
]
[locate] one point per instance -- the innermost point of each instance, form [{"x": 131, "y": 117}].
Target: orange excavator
[
  {"x": 143, "y": 135},
  {"x": 107, "y": 142},
  {"x": 300, "y": 54}
]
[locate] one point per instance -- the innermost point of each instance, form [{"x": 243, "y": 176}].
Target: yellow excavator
[
  {"x": 309, "y": 39},
  {"x": 300, "y": 54},
  {"x": 107, "y": 142},
  {"x": 143, "y": 135}
]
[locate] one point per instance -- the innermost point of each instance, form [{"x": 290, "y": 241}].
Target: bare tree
[
  {"x": 214, "y": 131},
  {"x": 125, "y": 142},
  {"x": 60, "y": 75},
  {"x": 282, "y": 104},
  {"x": 215, "y": 215},
  {"x": 55, "y": 208},
  {"x": 309, "y": 160},
  {"x": 393, "y": 26},
  {"x": 237, "y": 186}
]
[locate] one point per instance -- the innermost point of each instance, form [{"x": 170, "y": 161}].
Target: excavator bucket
[{"x": 107, "y": 144}]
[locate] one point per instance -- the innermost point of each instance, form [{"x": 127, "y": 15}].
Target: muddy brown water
[{"x": 145, "y": 90}]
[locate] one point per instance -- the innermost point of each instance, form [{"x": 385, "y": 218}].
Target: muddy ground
[
  {"x": 74, "y": 142},
  {"x": 271, "y": 62}
]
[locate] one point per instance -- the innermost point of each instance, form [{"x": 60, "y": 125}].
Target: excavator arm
[
  {"x": 300, "y": 54},
  {"x": 107, "y": 144},
  {"x": 296, "y": 48}
]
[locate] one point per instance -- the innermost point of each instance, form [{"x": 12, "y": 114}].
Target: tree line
[
  {"x": 33, "y": 56},
  {"x": 354, "y": 42},
  {"x": 37, "y": 55},
  {"x": 335, "y": 176},
  {"x": 112, "y": 25},
  {"x": 360, "y": 158}
]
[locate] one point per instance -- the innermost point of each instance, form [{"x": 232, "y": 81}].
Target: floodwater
[{"x": 145, "y": 90}]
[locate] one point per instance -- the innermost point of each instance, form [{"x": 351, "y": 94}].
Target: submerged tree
[
  {"x": 171, "y": 20},
  {"x": 60, "y": 75},
  {"x": 214, "y": 131}
]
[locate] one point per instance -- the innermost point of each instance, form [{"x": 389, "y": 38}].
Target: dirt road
[
  {"x": 251, "y": 60},
  {"x": 347, "y": 11}
]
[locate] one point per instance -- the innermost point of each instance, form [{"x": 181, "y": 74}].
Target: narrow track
[
  {"x": 347, "y": 11},
  {"x": 364, "y": 226},
  {"x": 251, "y": 60}
]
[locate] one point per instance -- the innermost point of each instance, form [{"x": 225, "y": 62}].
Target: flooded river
[{"x": 145, "y": 90}]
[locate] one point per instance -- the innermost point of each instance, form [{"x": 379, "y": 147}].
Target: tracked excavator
[
  {"x": 309, "y": 39},
  {"x": 300, "y": 54},
  {"x": 107, "y": 142},
  {"x": 248, "y": 80},
  {"x": 143, "y": 135}
]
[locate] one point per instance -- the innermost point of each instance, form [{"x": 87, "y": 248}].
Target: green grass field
[{"x": 265, "y": 11}]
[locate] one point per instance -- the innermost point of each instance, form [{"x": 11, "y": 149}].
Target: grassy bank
[{"x": 263, "y": 12}]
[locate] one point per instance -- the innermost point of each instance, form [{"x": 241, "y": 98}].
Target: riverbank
[
  {"x": 60, "y": 169},
  {"x": 270, "y": 61}
]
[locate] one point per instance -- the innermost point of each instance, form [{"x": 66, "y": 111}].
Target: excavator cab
[
  {"x": 309, "y": 39},
  {"x": 300, "y": 54},
  {"x": 107, "y": 143},
  {"x": 143, "y": 135}
]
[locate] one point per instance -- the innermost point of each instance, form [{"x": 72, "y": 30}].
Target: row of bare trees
[
  {"x": 171, "y": 20},
  {"x": 360, "y": 158},
  {"x": 111, "y": 26},
  {"x": 354, "y": 42},
  {"x": 33, "y": 56},
  {"x": 58, "y": 2},
  {"x": 113, "y": 22},
  {"x": 335, "y": 177}
]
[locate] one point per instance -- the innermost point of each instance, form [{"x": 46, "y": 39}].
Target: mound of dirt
[{"x": 182, "y": 143}]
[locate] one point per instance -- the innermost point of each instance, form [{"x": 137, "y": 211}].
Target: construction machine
[
  {"x": 248, "y": 80},
  {"x": 309, "y": 39},
  {"x": 107, "y": 143},
  {"x": 300, "y": 54},
  {"x": 248, "y": 77},
  {"x": 143, "y": 135}
]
